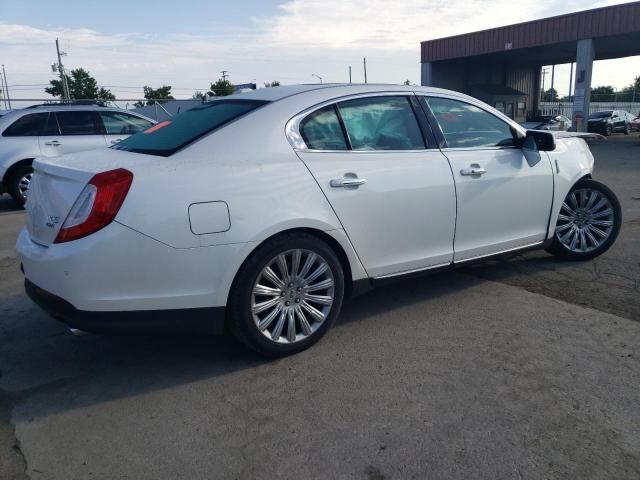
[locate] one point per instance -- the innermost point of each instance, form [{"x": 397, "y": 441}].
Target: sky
[{"x": 128, "y": 44}]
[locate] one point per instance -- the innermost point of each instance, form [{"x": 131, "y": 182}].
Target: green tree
[
  {"x": 197, "y": 95},
  {"x": 550, "y": 95},
  {"x": 273, "y": 83},
  {"x": 603, "y": 93},
  {"x": 82, "y": 86},
  {"x": 156, "y": 95},
  {"x": 406, "y": 82},
  {"x": 222, "y": 87}
]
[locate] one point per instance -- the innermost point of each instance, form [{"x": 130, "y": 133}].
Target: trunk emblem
[{"x": 52, "y": 221}]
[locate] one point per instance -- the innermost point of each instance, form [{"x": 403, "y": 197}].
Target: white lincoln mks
[{"x": 257, "y": 213}]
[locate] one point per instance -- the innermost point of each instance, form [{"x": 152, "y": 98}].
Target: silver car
[{"x": 52, "y": 130}]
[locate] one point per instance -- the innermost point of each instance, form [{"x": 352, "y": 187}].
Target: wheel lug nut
[
  {"x": 297, "y": 300},
  {"x": 299, "y": 289},
  {"x": 282, "y": 294},
  {"x": 287, "y": 303},
  {"x": 290, "y": 285}
]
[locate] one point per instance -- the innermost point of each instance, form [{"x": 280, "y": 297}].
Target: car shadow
[
  {"x": 7, "y": 204},
  {"x": 54, "y": 371}
]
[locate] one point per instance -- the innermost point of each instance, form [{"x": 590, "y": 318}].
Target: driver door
[{"x": 503, "y": 202}]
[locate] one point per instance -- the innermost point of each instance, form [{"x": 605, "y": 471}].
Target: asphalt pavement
[{"x": 524, "y": 368}]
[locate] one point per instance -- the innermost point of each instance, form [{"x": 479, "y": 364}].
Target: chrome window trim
[{"x": 292, "y": 128}]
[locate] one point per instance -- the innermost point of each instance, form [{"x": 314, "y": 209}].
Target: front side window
[
  {"x": 381, "y": 123},
  {"x": 467, "y": 126},
  {"x": 27, "y": 126},
  {"x": 77, "y": 123},
  {"x": 321, "y": 130},
  {"x": 167, "y": 138},
  {"x": 119, "y": 123}
]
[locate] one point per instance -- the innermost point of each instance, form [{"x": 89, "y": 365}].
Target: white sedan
[{"x": 259, "y": 212}]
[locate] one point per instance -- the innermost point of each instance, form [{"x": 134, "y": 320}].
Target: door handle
[
  {"x": 349, "y": 180},
  {"x": 474, "y": 169},
  {"x": 53, "y": 143},
  {"x": 117, "y": 140}
]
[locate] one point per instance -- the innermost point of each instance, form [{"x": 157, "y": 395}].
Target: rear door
[
  {"x": 119, "y": 125},
  {"x": 392, "y": 192},
  {"x": 70, "y": 132}
]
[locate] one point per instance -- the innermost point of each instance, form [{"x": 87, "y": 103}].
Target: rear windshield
[
  {"x": 601, "y": 114},
  {"x": 167, "y": 138}
]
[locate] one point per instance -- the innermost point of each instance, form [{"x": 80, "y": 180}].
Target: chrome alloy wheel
[
  {"x": 586, "y": 220},
  {"x": 23, "y": 184},
  {"x": 292, "y": 296}
]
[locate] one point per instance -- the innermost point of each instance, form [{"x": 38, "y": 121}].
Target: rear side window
[
  {"x": 27, "y": 126},
  {"x": 120, "y": 123},
  {"x": 321, "y": 130},
  {"x": 78, "y": 123},
  {"x": 187, "y": 127},
  {"x": 467, "y": 126},
  {"x": 381, "y": 123}
]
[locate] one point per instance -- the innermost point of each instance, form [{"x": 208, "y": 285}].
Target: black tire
[
  {"x": 13, "y": 184},
  {"x": 558, "y": 249},
  {"x": 627, "y": 129},
  {"x": 608, "y": 131},
  {"x": 240, "y": 321}
]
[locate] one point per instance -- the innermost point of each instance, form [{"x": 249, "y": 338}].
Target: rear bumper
[{"x": 209, "y": 320}]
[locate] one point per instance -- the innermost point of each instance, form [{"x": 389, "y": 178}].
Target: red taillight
[{"x": 97, "y": 205}]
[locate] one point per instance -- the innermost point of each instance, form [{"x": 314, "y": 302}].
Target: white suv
[{"x": 52, "y": 130}]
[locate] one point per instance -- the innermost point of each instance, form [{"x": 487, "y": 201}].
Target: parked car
[
  {"x": 548, "y": 122},
  {"x": 259, "y": 212},
  {"x": 609, "y": 121},
  {"x": 635, "y": 124},
  {"x": 57, "y": 129}
]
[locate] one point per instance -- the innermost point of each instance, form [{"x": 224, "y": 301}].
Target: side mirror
[
  {"x": 544, "y": 141},
  {"x": 535, "y": 142}
]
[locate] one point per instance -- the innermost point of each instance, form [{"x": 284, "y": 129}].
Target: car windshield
[
  {"x": 168, "y": 137},
  {"x": 601, "y": 114}
]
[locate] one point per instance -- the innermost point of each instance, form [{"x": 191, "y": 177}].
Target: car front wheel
[
  {"x": 286, "y": 295},
  {"x": 588, "y": 223},
  {"x": 627, "y": 129}
]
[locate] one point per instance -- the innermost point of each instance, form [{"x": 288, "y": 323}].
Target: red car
[{"x": 635, "y": 124}]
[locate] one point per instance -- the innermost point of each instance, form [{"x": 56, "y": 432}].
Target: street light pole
[{"x": 317, "y": 76}]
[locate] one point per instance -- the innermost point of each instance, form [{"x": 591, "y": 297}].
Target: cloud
[{"x": 301, "y": 37}]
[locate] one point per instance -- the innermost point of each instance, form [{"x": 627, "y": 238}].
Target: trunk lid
[
  {"x": 58, "y": 181},
  {"x": 52, "y": 193}
]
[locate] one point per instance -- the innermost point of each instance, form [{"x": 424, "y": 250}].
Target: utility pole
[
  {"x": 225, "y": 74},
  {"x": 6, "y": 87},
  {"x": 63, "y": 77},
  {"x": 544, "y": 74},
  {"x": 365, "y": 69},
  {"x": 553, "y": 73},
  {"x": 349, "y": 73}
]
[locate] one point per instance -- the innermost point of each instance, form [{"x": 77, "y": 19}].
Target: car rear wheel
[
  {"x": 588, "y": 223},
  {"x": 19, "y": 182},
  {"x": 286, "y": 295},
  {"x": 627, "y": 129},
  {"x": 608, "y": 131}
]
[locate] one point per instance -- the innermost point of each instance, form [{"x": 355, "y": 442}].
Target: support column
[
  {"x": 427, "y": 74},
  {"x": 582, "y": 93}
]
